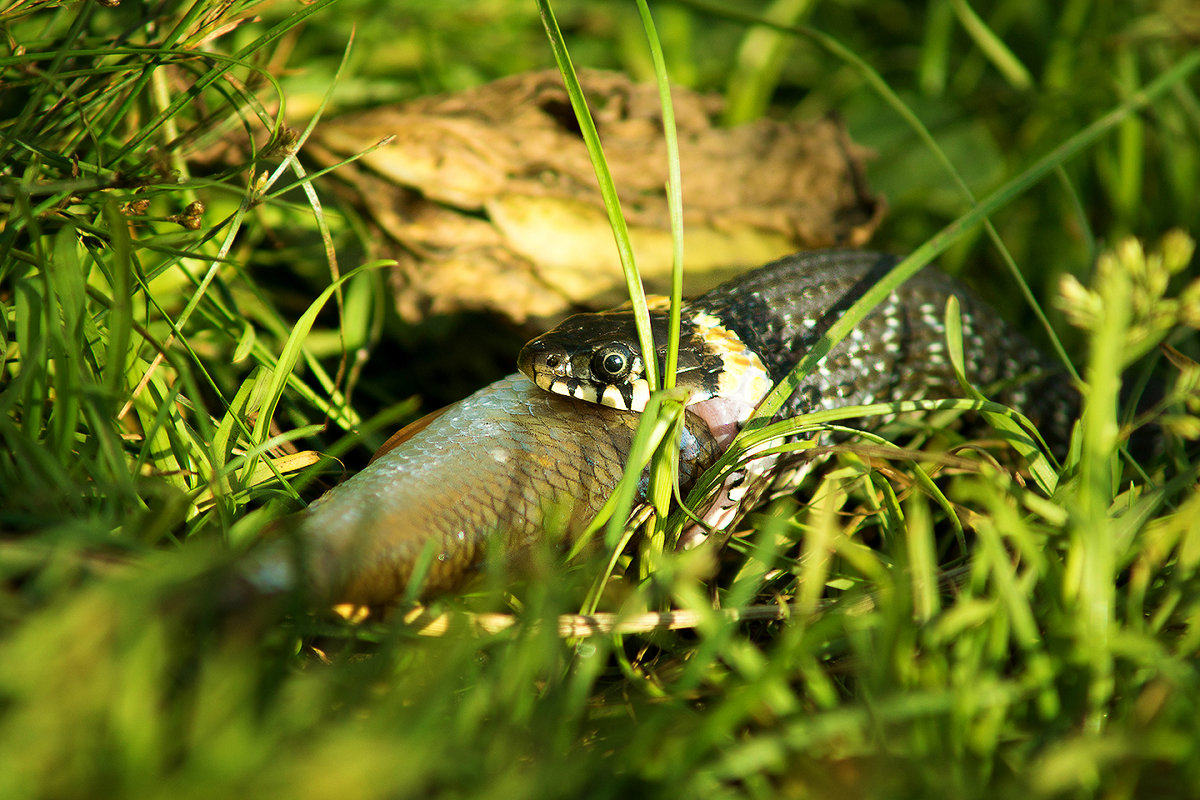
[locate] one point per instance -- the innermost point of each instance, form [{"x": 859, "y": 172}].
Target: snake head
[
  {"x": 593, "y": 357},
  {"x": 596, "y": 358}
]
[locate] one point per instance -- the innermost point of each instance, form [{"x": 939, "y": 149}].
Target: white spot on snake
[
  {"x": 612, "y": 398},
  {"x": 500, "y": 456},
  {"x": 641, "y": 395},
  {"x": 583, "y": 392}
]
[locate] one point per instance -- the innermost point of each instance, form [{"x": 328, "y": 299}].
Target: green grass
[{"x": 169, "y": 371}]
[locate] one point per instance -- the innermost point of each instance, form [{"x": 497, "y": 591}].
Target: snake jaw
[
  {"x": 555, "y": 368},
  {"x": 564, "y": 362},
  {"x": 714, "y": 362}
]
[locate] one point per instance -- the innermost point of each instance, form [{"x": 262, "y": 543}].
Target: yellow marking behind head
[
  {"x": 612, "y": 397},
  {"x": 744, "y": 377}
]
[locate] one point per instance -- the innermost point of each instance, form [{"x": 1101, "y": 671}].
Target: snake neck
[{"x": 898, "y": 352}]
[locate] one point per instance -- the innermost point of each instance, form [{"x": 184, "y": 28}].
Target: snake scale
[
  {"x": 742, "y": 337},
  {"x": 514, "y": 465}
]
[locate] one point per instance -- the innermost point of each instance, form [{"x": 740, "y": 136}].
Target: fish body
[{"x": 507, "y": 467}]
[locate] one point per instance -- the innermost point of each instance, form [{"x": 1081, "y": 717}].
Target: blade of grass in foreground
[
  {"x": 608, "y": 190},
  {"x": 663, "y": 466},
  {"x": 664, "y": 469},
  {"x": 623, "y": 497},
  {"x": 1033, "y": 451},
  {"x": 291, "y": 354}
]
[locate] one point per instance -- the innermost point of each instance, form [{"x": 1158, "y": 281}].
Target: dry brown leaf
[{"x": 488, "y": 200}]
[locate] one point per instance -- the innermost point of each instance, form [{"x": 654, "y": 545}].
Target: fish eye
[{"x": 612, "y": 362}]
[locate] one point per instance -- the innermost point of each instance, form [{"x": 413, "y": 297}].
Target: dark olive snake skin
[{"x": 778, "y": 311}]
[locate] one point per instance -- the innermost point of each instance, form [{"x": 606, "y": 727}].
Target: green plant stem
[{"x": 608, "y": 191}]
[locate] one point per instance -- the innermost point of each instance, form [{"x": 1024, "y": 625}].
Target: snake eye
[{"x": 612, "y": 362}]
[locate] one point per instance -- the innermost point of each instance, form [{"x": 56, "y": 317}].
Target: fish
[{"x": 506, "y": 469}]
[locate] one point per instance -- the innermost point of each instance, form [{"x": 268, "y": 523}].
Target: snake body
[{"x": 742, "y": 337}]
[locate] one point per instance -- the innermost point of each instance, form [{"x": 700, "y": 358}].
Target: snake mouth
[
  {"x": 552, "y": 371},
  {"x": 568, "y": 387},
  {"x": 630, "y": 397}
]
